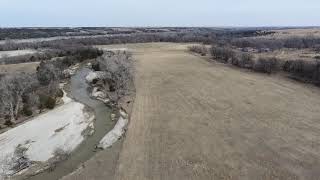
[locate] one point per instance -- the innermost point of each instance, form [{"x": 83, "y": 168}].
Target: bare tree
[
  {"x": 200, "y": 49},
  {"x": 12, "y": 87},
  {"x": 47, "y": 73},
  {"x": 119, "y": 67}
]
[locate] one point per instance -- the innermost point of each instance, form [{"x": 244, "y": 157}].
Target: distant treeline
[
  {"x": 116, "y": 39},
  {"x": 70, "y": 52},
  {"x": 273, "y": 44},
  {"x": 26, "y": 33},
  {"x": 236, "y": 38}
]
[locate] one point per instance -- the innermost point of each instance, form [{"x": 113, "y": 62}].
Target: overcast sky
[{"x": 20, "y": 13}]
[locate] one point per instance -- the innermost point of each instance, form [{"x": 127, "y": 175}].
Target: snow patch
[
  {"x": 60, "y": 128},
  {"x": 65, "y": 98},
  {"x": 71, "y": 70},
  {"x": 113, "y": 135},
  {"x": 97, "y": 93},
  {"x": 94, "y": 76},
  {"x": 16, "y": 53}
]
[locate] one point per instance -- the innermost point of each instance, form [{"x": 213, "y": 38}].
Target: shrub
[
  {"x": 59, "y": 93},
  {"x": 222, "y": 54},
  {"x": 46, "y": 102},
  {"x": 307, "y": 71},
  {"x": 266, "y": 65},
  {"x": 96, "y": 66},
  {"x": 202, "y": 50},
  {"x": 51, "y": 103},
  {"x": 246, "y": 61},
  {"x": 235, "y": 61},
  {"x": 27, "y": 110},
  {"x": 47, "y": 72},
  {"x": 68, "y": 61},
  {"x": 42, "y": 101},
  {"x": 8, "y": 123}
]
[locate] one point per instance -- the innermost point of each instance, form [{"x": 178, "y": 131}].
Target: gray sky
[{"x": 20, "y": 13}]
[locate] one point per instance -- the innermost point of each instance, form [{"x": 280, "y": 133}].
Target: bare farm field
[{"x": 194, "y": 119}]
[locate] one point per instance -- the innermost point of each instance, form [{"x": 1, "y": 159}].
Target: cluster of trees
[
  {"x": 115, "y": 39},
  {"x": 302, "y": 70},
  {"x": 26, "y": 33},
  {"x": 12, "y": 90},
  {"x": 245, "y": 32},
  {"x": 118, "y": 69},
  {"x": 199, "y": 49},
  {"x": 274, "y": 44},
  {"x": 222, "y": 53},
  {"x": 244, "y": 60},
  {"x": 70, "y": 53},
  {"x": 233, "y": 37},
  {"x": 24, "y": 94},
  {"x": 266, "y": 65}
]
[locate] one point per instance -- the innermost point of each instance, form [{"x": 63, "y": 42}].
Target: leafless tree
[
  {"x": 200, "y": 49},
  {"x": 12, "y": 87},
  {"x": 120, "y": 69},
  {"x": 47, "y": 73}
]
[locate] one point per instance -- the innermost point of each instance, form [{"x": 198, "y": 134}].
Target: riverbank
[
  {"x": 78, "y": 89},
  {"x": 109, "y": 127},
  {"x": 38, "y": 143},
  {"x": 104, "y": 163}
]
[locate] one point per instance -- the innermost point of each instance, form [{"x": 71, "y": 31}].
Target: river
[{"x": 102, "y": 124}]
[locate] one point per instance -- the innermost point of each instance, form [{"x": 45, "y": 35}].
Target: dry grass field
[
  {"x": 194, "y": 119},
  {"x": 22, "y": 67}
]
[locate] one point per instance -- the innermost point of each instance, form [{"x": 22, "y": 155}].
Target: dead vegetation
[
  {"x": 120, "y": 67},
  {"x": 20, "y": 160},
  {"x": 17, "y": 162},
  {"x": 305, "y": 71},
  {"x": 113, "y": 75},
  {"x": 200, "y": 49},
  {"x": 302, "y": 70}
]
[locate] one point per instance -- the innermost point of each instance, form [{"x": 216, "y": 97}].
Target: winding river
[{"x": 102, "y": 125}]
